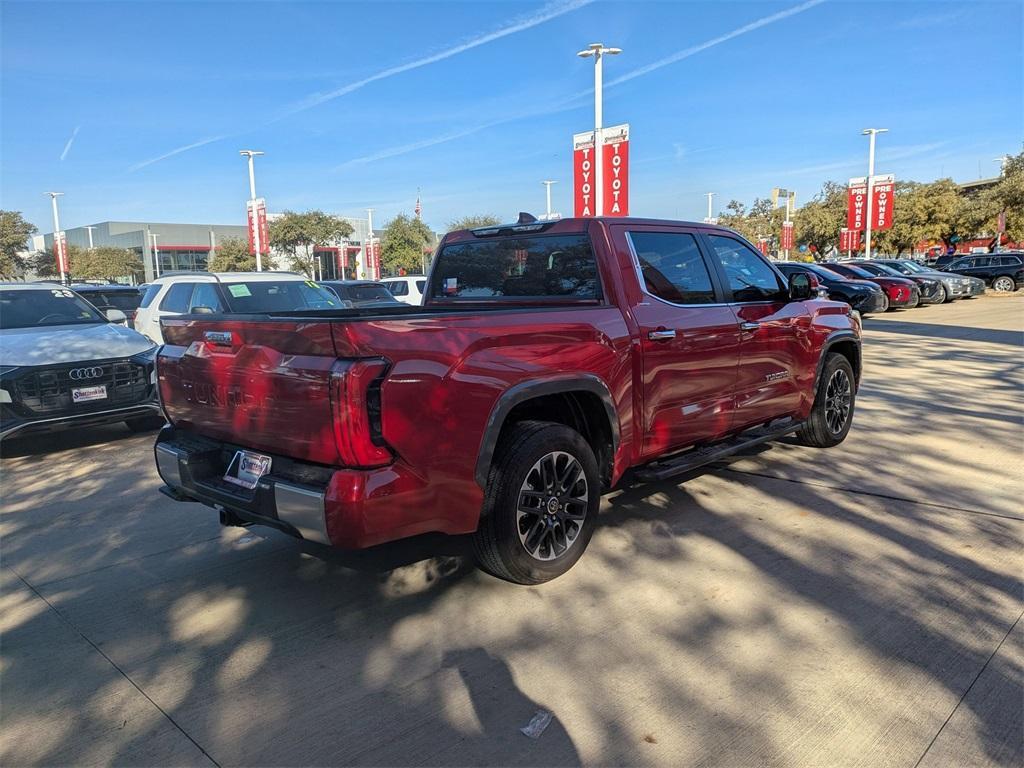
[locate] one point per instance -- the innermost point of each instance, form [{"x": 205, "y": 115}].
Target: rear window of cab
[{"x": 517, "y": 269}]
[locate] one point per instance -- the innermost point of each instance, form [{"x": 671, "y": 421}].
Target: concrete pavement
[{"x": 857, "y": 606}]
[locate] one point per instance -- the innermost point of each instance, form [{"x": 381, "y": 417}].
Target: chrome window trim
[{"x": 643, "y": 283}]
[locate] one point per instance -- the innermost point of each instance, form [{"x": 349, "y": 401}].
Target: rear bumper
[
  {"x": 348, "y": 508},
  {"x": 19, "y": 427}
]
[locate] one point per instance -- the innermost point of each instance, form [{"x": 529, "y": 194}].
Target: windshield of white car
[{"x": 45, "y": 307}]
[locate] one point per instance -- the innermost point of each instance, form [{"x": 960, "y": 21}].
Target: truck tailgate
[{"x": 258, "y": 384}]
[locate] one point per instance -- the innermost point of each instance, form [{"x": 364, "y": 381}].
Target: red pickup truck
[{"x": 547, "y": 361}]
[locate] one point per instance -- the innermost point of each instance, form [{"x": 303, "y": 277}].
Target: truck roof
[{"x": 572, "y": 224}]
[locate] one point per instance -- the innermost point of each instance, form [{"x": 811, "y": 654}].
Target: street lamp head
[
  {"x": 585, "y": 54},
  {"x": 53, "y": 194},
  {"x": 869, "y": 131},
  {"x": 250, "y": 152},
  {"x": 613, "y": 51}
]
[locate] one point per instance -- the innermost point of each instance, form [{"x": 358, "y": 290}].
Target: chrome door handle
[
  {"x": 661, "y": 334},
  {"x": 749, "y": 326}
]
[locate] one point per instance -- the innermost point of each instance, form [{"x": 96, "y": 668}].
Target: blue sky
[{"x": 137, "y": 110}]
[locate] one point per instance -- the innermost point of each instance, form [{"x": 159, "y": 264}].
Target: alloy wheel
[
  {"x": 552, "y": 506},
  {"x": 838, "y": 396},
  {"x": 1002, "y": 284}
]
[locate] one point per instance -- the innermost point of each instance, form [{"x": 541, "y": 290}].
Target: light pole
[
  {"x": 156, "y": 252},
  {"x": 711, "y": 196},
  {"x": 547, "y": 184},
  {"x": 871, "y": 133},
  {"x": 59, "y": 245},
  {"x": 250, "y": 154},
  {"x": 598, "y": 51},
  {"x": 89, "y": 230}
]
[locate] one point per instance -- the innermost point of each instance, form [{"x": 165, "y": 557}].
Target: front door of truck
[
  {"x": 774, "y": 332},
  {"x": 689, "y": 337}
]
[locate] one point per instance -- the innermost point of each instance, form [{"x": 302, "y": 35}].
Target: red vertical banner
[
  {"x": 762, "y": 246},
  {"x": 786, "y": 240},
  {"x": 883, "y": 196},
  {"x": 615, "y": 170},
  {"x": 857, "y": 204},
  {"x": 60, "y": 251},
  {"x": 583, "y": 174},
  {"x": 261, "y": 220},
  {"x": 251, "y": 213}
]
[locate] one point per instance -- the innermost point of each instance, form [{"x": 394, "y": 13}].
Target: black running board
[{"x": 698, "y": 457}]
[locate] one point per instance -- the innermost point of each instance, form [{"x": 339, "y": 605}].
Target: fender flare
[
  {"x": 834, "y": 338},
  {"x": 527, "y": 390}
]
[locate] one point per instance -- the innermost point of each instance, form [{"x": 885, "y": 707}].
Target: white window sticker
[
  {"x": 239, "y": 290},
  {"x": 451, "y": 286}
]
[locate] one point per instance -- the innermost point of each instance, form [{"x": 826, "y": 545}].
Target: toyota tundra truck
[{"x": 549, "y": 361}]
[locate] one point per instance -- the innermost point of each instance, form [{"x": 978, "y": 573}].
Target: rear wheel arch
[{"x": 583, "y": 403}]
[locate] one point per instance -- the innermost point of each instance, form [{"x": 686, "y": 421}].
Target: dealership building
[{"x": 165, "y": 247}]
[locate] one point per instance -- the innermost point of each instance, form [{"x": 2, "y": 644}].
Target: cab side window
[
  {"x": 672, "y": 267},
  {"x": 177, "y": 298},
  {"x": 205, "y": 296},
  {"x": 749, "y": 276}
]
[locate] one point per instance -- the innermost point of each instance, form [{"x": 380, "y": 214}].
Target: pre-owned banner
[
  {"x": 857, "y": 204},
  {"x": 883, "y": 196},
  {"x": 849, "y": 239},
  {"x": 257, "y": 217},
  {"x": 60, "y": 251}
]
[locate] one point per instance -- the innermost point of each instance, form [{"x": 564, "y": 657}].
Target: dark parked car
[
  {"x": 863, "y": 295},
  {"x": 123, "y": 297},
  {"x": 945, "y": 259},
  {"x": 1002, "y": 272},
  {"x": 902, "y": 293},
  {"x": 362, "y": 293},
  {"x": 931, "y": 287}
]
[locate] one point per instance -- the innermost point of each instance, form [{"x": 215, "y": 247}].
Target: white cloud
[
  {"x": 67, "y": 147},
  {"x": 178, "y": 151}
]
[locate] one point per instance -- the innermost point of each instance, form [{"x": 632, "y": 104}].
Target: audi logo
[{"x": 81, "y": 374}]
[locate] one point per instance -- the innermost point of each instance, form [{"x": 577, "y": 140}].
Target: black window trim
[
  {"x": 720, "y": 269},
  {"x": 716, "y": 283},
  {"x": 602, "y": 300}
]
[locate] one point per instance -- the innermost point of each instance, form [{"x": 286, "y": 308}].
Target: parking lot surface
[{"x": 855, "y": 606}]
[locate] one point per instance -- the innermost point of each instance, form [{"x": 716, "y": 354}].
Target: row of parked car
[{"x": 878, "y": 285}]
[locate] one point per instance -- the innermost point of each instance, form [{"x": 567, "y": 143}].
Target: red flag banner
[
  {"x": 883, "y": 196},
  {"x": 251, "y": 214},
  {"x": 762, "y": 246},
  {"x": 60, "y": 251},
  {"x": 857, "y": 204},
  {"x": 615, "y": 171},
  {"x": 583, "y": 173},
  {"x": 786, "y": 240},
  {"x": 261, "y": 219}
]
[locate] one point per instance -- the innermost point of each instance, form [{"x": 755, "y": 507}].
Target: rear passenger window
[
  {"x": 398, "y": 288},
  {"x": 421, "y": 285},
  {"x": 750, "y": 278},
  {"x": 1009, "y": 261},
  {"x": 177, "y": 298},
  {"x": 672, "y": 267},
  {"x": 151, "y": 293},
  {"x": 205, "y": 296}
]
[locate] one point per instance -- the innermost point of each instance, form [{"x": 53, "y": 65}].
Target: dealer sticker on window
[{"x": 239, "y": 290}]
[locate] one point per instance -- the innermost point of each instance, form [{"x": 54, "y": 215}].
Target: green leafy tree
[
  {"x": 1007, "y": 197},
  {"x": 403, "y": 244},
  {"x": 104, "y": 263},
  {"x": 232, "y": 255},
  {"x": 14, "y": 235},
  {"x": 819, "y": 221},
  {"x": 762, "y": 220},
  {"x": 44, "y": 263},
  {"x": 473, "y": 222},
  {"x": 324, "y": 230},
  {"x": 299, "y": 233}
]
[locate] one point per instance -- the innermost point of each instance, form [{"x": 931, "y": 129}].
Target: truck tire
[
  {"x": 832, "y": 412},
  {"x": 540, "y": 506}
]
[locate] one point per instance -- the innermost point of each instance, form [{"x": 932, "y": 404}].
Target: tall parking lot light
[
  {"x": 250, "y": 154},
  {"x": 547, "y": 184},
  {"x": 710, "y": 219},
  {"x": 871, "y": 133},
  {"x": 598, "y": 51},
  {"x": 156, "y": 253}
]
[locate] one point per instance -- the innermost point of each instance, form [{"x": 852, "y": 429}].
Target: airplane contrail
[{"x": 67, "y": 147}]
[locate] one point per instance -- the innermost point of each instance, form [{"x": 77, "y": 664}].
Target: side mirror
[
  {"x": 116, "y": 316},
  {"x": 800, "y": 287}
]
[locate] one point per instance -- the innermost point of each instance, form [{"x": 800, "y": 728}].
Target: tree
[
  {"x": 232, "y": 255},
  {"x": 473, "y": 222},
  {"x": 44, "y": 263},
  {"x": 298, "y": 234},
  {"x": 14, "y": 235},
  {"x": 403, "y": 244},
  {"x": 819, "y": 221},
  {"x": 104, "y": 263}
]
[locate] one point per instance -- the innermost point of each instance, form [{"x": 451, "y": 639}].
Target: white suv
[
  {"x": 231, "y": 292},
  {"x": 408, "y": 289}
]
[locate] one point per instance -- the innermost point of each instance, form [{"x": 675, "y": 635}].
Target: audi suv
[{"x": 64, "y": 364}]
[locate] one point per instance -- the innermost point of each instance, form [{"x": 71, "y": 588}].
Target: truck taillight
[{"x": 355, "y": 403}]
